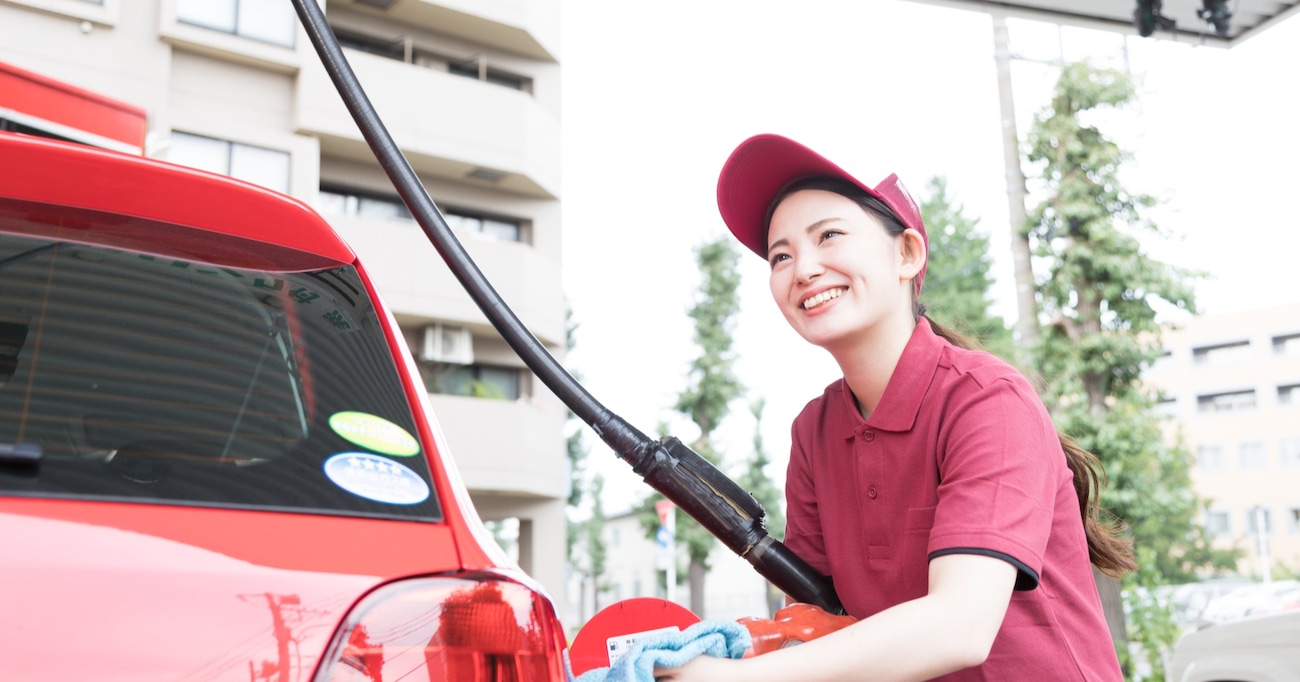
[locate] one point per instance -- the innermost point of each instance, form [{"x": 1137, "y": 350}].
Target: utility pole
[
  {"x": 1026, "y": 298},
  {"x": 1108, "y": 588}
]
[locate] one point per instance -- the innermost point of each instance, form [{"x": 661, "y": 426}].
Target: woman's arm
[{"x": 951, "y": 628}]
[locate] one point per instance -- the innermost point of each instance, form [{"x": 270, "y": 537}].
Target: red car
[{"x": 217, "y": 460}]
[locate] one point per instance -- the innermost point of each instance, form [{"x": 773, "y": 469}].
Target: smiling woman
[{"x": 928, "y": 483}]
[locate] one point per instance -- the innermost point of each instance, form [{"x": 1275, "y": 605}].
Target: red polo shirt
[{"x": 960, "y": 456}]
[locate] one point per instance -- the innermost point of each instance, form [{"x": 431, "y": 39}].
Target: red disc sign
[
  {"x": 612, "y": 631},
  {"x": 664, "y": 508}
]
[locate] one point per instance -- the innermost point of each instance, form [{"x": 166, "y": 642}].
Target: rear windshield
[{"x": 150, "y": 379}]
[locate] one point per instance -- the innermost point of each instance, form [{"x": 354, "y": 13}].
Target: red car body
[{"x": 132, "y": 582}]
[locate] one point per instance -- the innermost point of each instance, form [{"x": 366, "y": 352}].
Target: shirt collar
[{"x": 901, "y": 401}]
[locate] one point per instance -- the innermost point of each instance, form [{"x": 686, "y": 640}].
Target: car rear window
[{"x": 150, "y": 379}]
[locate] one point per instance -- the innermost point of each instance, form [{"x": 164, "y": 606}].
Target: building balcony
[
  {"x": 529, "y": 28},
  {"x": 448, "y": 126},
  {"x": 416, "y": 282},
  {"x": 505, "y": 446}
]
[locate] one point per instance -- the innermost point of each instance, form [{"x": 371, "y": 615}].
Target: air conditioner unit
[{"x": 447, "y": 343}]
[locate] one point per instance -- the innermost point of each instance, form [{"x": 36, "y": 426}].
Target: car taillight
[{"x": 464, "y": 629}]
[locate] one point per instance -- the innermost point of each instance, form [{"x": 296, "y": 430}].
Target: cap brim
[{"x": 755, "y": 172}]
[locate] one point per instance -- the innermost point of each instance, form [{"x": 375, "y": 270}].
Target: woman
[{"x": 929, "y": 482}]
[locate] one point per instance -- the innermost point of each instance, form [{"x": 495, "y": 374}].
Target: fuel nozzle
[{"x": 731, "y": 514}]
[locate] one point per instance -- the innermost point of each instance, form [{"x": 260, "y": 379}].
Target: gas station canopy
[{"x": 1214, "y": 22}]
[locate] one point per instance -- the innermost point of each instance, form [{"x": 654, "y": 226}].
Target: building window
[
  {"x": 1222, "y": 353},
  {"x": 269, "y": 22},
  {"x": 266, "y": 167},
  {"x": 1254, "y": 516},
  {"x": 1288, "y": 394},
  {"x": 1209, "y": 458},
  {"x": 1252, "y": 456},
  {"x": 1287, "y": 344},
  {"x": 478, "y": 71},
  {"x": 1288, "y": 450},
  {"x": 475, "y": 381},
  {"x": 403, "y": 49},
  {"x": 487, "y": 227},
  {"x": 391, "y": 49},
  {"x": 1167, "y": 405},
  {"x": 1164, "y": 362},
  {"x": 335, "y": 201},
  {"x": 1232, "y": 401},
  {"x": 341, "y": 201},
  {"x": 1218, "y": 524},
  {"x": 1293, "y": 520}
]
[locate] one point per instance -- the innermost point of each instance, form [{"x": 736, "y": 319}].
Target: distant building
[
  {"x": 635, "y": 567},
  {"x": 1232, "y": 383}
]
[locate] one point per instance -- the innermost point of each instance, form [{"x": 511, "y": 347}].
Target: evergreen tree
[
  {"x": 576, "y": 451},
  {"x": 707, "y": 398},
  {"x": 756, "y": 480},
  {"x": 1099, "y": 290},
  {"x": 957, "y": 279},
  {"x": 593, "y": 532}
]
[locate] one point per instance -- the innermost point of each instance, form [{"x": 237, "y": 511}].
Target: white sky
[{"x": 656, "y": 95}]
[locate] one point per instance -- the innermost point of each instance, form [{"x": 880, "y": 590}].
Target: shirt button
[
  {"x": 871, "y": 492},
  {"x": 869, "y": 435}
]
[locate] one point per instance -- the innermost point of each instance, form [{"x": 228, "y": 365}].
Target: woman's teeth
[{"x": 821, "y": 298}]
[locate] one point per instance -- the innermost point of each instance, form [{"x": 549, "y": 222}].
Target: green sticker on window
[{"x": 375, "y": 433}]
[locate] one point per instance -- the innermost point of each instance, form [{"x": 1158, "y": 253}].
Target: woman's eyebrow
[{"x": 784, "y": 242}]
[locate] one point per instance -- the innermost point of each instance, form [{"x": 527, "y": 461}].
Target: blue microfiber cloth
[{"x": 721, "y": 638}]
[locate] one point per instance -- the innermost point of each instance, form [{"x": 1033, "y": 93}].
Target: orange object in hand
[{"x": 794, "y": 624}]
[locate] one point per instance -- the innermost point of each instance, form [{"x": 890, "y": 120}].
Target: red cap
[{"x": 764, "y": 164}]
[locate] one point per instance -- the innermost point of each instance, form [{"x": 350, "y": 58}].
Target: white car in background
[
  {"x": 1263, "y": 648},
  {"x": 1252, "y": 600}
]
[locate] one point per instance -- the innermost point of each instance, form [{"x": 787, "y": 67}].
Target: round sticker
[
  {"x": 376, "y": 433},
  {"x": 376, "y": 478}
]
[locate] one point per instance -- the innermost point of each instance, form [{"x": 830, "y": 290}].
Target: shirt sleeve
[
  {"x": 803, "y": 533},
  {"x": 1001, "y": 469}
]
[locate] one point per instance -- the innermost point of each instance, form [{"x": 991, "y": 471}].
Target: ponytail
[{"x": 1108, "y": 549}]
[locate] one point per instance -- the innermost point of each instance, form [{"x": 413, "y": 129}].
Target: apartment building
[
  {"x": 469, "y": 90},
  {"x": 1232, "y": 384}
]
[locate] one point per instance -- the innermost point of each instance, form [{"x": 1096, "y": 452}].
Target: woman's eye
[
  {"x": 828, "y": 234},
  {"x": 777, "y": 258}
]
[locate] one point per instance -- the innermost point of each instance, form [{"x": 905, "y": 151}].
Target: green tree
[
  {"x": 1099, "y": 291},
  {"x": 707, "y": 398},
  {"x": 957, "y": 279},
  {"x": 575, "y": 451},
  {"x": 593, "y": 532},
  {"x": 756, "y": 480}
]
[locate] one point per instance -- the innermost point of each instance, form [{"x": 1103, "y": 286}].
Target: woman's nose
[{"x": 807, "y": 269}]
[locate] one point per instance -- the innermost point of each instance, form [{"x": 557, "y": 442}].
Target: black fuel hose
[{"x": 720, "y": 505}]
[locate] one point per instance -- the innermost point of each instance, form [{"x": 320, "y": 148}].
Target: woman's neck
[{"x": 868, "y": 363}]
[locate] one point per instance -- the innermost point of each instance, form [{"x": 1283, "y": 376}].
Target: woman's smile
[{"x": 816, "y": 300}]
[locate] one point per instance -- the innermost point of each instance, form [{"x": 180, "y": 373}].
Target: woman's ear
[{"x": 912, "y": 253}]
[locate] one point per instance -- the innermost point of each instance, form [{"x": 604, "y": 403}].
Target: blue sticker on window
[{"x": 376, "y": 478}]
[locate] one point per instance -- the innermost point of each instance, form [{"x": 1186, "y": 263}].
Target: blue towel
[{"x": 721, "y": 638}]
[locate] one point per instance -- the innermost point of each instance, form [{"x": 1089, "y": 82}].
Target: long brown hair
[{"x": 1108, "y": 548}]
